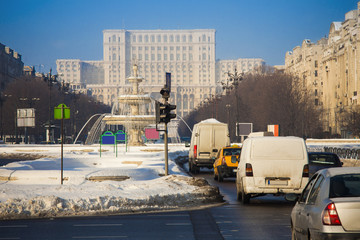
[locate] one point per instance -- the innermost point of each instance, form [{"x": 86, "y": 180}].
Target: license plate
[{"x": 278, "y": 182}]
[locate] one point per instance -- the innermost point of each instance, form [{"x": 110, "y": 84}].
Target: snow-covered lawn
[{"x": 133, "y": 181}]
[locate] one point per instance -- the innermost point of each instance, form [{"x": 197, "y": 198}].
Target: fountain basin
[{"x": 139, "y": 121}]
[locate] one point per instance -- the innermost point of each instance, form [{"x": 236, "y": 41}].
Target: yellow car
[{"x": 226, "y": 162}]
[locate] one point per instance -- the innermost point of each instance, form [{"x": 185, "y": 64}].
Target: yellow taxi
[{"x": 226, "y": 162}]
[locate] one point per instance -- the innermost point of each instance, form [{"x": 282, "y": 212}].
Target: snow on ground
[{"x": 134, "y": 181}]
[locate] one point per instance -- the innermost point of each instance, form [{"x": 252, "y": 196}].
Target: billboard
[
  {"x": 25, "y": 117},
  {"x": 243, "y": 129}
]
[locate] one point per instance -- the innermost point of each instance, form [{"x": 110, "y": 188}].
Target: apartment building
[
  {"x": 329, "y": 70},
  {"x": 11, "y": 65}
]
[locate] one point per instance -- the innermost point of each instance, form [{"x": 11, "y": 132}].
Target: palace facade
[{"x": 189, "y": 55}]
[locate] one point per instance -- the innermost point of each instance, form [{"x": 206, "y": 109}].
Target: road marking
[
  {"x": 178, "y": 224},
  {"x": 98, "y": 225},
  {"x": 10, "y": 238},
  {"x": 98, "y": 237},
  {"x": 14, "y": 226}
]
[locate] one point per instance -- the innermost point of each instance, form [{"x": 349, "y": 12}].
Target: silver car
[{"x": 329, "y": 206}]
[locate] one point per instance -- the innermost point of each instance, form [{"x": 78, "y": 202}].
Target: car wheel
[
  {"x": 220, "y": 175},
  {"x": 245, "y": 198},
  {"x": 293, "y": 234},
  {"x": 238, "y": 193},
  {"x": 191, "y": 167},
  {"x": 215, "y": 176}
]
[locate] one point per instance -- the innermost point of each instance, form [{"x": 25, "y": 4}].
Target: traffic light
[
  {"x": 160, "y": 112},
  {"x": 163, "y": 112}
]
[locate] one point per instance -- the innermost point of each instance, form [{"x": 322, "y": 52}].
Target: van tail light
[
  {"x": 248, "y": 170},
  {"x": 330, "y": 215},
  {"x": 223, "y": 162},
  {"x": 306, "y": 171},
  {"x": 195, "y": 151}
]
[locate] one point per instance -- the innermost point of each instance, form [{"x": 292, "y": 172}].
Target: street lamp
[
  {"x": 3, "y": 98},
  {"x": 50, "y": 79},
  {"x": 231, "y": 82}
]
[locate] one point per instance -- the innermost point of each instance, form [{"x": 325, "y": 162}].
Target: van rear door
[
  {"x": 205, "y": 143},
  {"x": 278, "y": 164}
]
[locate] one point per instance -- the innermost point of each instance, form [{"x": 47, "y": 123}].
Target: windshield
[
  {"x": 345, "y": 186},
  {"x": 326, "y": 159},
  {"x": 232, "y": 151}
]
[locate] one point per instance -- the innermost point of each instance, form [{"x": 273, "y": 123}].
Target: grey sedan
[{"x": 329, "y": 206}]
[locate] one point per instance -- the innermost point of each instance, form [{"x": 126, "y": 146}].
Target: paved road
[{"x": 265, "y": 218}]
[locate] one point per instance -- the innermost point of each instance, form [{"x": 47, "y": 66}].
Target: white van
[
  {"x": 207, "y": 138},
  {"x": 271, "y": 165}
]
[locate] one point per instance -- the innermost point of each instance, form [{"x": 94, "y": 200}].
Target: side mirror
[
  {"x": 215, "y": 150},
  {"x": 187, "y": 144},
  {"x": 291, "y": 197}
]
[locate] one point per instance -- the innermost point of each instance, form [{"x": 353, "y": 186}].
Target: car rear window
[
  {"x": 347, "y": 185},
  {"x": 232, "y": 151},
  {"x": 325, "y": 159}
]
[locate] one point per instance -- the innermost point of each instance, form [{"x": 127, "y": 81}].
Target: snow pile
[{"x": 133, "y": 181}]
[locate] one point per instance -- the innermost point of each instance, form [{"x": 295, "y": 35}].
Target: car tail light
[
  {"x": 248, "y": 170},
  {"x": 306, "y": 171},
  {"x": 195, "y": 150},
  {"x": 223, "y": 162},
  {"x": 330, "y": 215}
]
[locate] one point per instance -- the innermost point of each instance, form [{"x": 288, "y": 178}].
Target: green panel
[{"x": 62, "y": 112}]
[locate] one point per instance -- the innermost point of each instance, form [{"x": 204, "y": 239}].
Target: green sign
[{"x": 62, "y": 112}]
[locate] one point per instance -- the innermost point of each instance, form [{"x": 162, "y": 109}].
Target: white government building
[{"x": 189, "y": 55}]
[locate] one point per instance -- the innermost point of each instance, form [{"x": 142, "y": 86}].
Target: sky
[{"x": 45, "y": 30}]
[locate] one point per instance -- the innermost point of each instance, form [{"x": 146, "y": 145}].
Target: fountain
[{"x": 132, "y": 111}]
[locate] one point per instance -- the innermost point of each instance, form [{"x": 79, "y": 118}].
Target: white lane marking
[
  {"x": 98, "y": 237},
  {"x": 14, "y": 226},
  {"x": 98, "y": 225},
  {"x": 178, "y": 224}
]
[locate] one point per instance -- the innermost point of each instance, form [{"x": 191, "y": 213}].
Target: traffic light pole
[{"x": 166, "y": 150}]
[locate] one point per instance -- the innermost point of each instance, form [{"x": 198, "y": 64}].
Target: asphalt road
[{"x": 265, "y": 217}]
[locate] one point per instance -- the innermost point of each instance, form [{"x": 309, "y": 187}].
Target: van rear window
[{"x": 277, "y": 150}]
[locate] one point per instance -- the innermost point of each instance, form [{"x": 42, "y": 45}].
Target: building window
[
  {"x": 158, "y": 38},
  {"x": 165, "y": 38},
  {"x": 316, "y": 73},
  {"x": 146, "y": 57},
  {"x": 146, "y": 38},
  {"x": 114, "y": 38},
  {"x": 152, "y": 38},
  {"x": 140, "y": 38},
  {"x": 184, "y": 38},
  {"x": 177, "y": 38},
  {"x": 316, "y": 63},
  {"x": 165, "y": 57},
  {"x": 203, "y": 38},
  {"x": 171, "y": 57},
  {"x": 159, "y": 57},
  {"x": 134, "y": 38},
  {"x": 152, "y": 57},
  {"x": 190, "y": 38}
]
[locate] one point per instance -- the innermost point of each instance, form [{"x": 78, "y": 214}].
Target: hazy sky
[{"x": 45, "y": 30}]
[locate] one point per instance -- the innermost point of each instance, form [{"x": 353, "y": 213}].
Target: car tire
[
  {"x": 245, "y": 198},
  {"x": 293, "y": 236},
  {"x": 238, "y": 193},
  {"x": 215, "y": 176},
  {"x": 191, "y": 167},
  {"x": 220, "y": 175}
]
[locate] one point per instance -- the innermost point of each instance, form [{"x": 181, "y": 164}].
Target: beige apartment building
[
  {"x": 329, "y": 70},
  {"x": 189, "y": 55}
]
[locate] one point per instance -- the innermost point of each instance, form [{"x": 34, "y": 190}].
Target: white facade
[{"x": 189, "y": 55}]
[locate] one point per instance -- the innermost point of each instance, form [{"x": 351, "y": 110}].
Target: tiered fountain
[{"x": 132, "y": 111}]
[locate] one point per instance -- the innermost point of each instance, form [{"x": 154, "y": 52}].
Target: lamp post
[
  {"x": 232, "y": 81},
  {"x": 3, "y": 98},
  {"x": 50, "y": 79}
]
